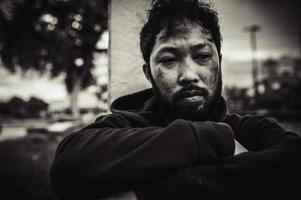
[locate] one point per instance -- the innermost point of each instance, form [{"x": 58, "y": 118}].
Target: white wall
[{"x": 126, "y": 20}]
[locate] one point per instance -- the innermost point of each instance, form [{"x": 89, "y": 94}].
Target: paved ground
[{"x": 24, "y": 168}]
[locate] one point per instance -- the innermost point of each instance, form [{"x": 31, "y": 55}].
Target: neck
[{"x": 215, "y": 113}]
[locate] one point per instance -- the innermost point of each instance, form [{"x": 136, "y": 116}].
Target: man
[{"x": 176, "y": 140}]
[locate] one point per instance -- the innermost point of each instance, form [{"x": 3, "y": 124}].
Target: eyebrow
[
  {"x": 174, "y": 50},
  {"x": 199, "y": 46},
  {"x": 168, "y": 49}
]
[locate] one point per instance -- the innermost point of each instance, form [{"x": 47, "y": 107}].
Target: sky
[{"x": 280, "y": 35}]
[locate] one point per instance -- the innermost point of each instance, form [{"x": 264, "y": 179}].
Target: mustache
[{"x": 190, "y": 90}]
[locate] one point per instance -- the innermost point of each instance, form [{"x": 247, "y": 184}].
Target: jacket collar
[{"x": 143, "y": 106}]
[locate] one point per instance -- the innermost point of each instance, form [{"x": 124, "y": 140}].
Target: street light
[{"x": 253, "y": 30}]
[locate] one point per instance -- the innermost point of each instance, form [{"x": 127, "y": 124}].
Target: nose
[{"x": 188, "y": 73}]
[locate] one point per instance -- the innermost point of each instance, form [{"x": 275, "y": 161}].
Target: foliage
[
  {"x": 18, "y": 108},
  {"x": 35, "y": 106},
  {"x": 52, "y": 35}
]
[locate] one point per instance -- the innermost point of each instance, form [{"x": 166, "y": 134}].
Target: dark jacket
[{"x": 132, "y": 149}]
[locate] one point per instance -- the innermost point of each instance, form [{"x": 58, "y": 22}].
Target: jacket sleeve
[
  {"x": 109, "y": 156},
  {"x": 270, "y": 170}
]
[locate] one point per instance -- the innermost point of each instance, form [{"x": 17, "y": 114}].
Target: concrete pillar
[{"x": 125, "y": 65}]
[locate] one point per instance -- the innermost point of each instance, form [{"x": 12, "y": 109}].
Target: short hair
[{"x": 167, "y": 14}]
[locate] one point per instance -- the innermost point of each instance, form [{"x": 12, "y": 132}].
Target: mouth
[
  {"x": 191, "y": 96},
  {"x": 192, "y": 99}
]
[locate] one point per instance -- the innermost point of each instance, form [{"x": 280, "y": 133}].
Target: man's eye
[
  {"x": 204, "y": 57},
  {"x": 167, "y": 61}
]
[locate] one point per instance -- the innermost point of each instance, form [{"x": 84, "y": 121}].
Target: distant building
[
  {"x": 59, "y": 110},
  {"x": 284, "y": 67},
  {"x": 279, "y": 83}
]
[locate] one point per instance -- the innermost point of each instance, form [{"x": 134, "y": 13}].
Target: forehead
[{"x": 188, "y": 34}]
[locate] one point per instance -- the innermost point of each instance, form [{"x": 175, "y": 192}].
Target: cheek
[
  {"x": 166, "y": 80},
  {"x": 214, "y": 69},
  {"x": 211, "y": 77},
  {"x": 215, "y": 72}
]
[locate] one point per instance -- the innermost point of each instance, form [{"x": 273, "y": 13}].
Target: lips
[
  {"x": 191, "y": 93},
  {"x": 192, "y": 99},
  {"x": 191, "y": 96}
]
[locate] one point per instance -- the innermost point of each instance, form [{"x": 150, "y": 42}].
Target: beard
[{"x": 194, "y": 111}]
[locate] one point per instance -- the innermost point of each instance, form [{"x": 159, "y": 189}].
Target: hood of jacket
[{"x": 143, "y": 106}]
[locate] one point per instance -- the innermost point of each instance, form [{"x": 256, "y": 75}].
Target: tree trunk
[
  {"x": 76, "y": 87},
  {"x": 77, "y": 80},
  {"x": 74, "y": 101}
]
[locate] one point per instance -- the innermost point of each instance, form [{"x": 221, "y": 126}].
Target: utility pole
[
  {"x": 253, "y": 30},
  {"x": 300, "y": 40}
]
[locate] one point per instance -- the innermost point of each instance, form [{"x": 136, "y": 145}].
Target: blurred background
[{"x": 58, "y": 72}]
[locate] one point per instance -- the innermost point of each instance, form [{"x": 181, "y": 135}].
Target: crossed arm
[{"x": 184, "y": 159}]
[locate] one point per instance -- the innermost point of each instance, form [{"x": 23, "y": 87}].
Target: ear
[
  {"x": 147, "y": 72},
  {"x": 220, "y": 61}
]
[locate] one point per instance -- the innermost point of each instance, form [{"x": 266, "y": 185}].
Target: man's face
[{"x": 185, "y": 72}]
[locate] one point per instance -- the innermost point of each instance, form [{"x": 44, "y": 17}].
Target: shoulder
[
  {"x": 258, "y": 132},
  {"x": 109, "y": 120},
  {"x": 120, "y": 120},
  {"x": 238, "y": 122}
]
